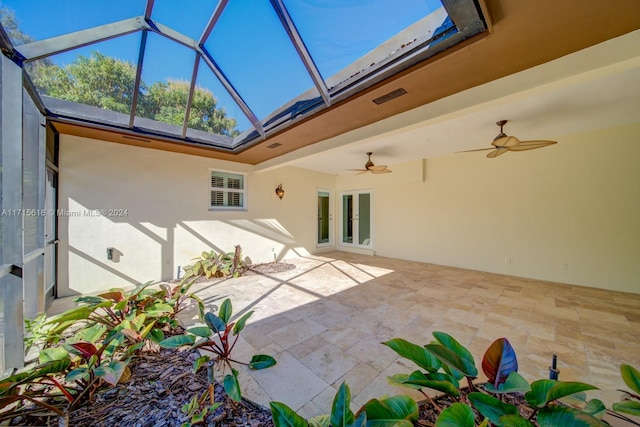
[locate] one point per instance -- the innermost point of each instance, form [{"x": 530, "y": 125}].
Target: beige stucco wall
[
  {"x": 167, "y": 220},
  {"x": 568, "y": 213}
]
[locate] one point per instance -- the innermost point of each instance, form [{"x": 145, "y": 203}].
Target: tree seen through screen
[{"x": 105, "y": 82}]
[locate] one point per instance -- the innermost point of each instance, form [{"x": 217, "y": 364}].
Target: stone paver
[{"x": 325, "y": 320}]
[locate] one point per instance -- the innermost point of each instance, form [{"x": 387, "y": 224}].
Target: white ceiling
[{"x": 596, "y": 88}]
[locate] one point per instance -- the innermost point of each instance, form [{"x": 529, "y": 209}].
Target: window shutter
[
  {"x": 235, "y": 199},
  {"x": 217, "y": 198},
  {"x": 233, "y": 183},
  {"x": 217, "y": 181}
]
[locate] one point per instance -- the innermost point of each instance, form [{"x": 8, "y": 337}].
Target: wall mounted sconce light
[
  {"x": 280, "y": 192},
  {"x": 110, "y": 253}
]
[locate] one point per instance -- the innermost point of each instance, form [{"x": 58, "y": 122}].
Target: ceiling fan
[
  {"x": 503, "y": 143},
  {"x": 370, "y": 167}
]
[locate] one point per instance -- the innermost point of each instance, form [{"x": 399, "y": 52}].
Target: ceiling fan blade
[
  {"x": 377, "y": 168},
  {"x": 530, "y": 145},
  {"x": 478, "y": 149},
  {"x": 358, "y": 170},
  {"x": 364, "y": 171},
  {"x": 497, "y": 152},
  {"x": 506, "y": 141},
  {"x": 381, "y": 171}
]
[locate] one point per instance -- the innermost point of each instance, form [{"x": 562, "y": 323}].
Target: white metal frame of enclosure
[
  {"x": 465, "y": 15},
  {"x": 23, "y": 160}
]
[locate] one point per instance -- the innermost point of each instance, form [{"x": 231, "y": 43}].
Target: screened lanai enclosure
[{"x": 222, "y": 76}]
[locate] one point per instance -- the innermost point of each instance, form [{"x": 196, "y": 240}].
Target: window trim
[{"x": 243, "y": 190}]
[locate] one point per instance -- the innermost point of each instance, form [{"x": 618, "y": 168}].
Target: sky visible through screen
[{"x": 249, "y": 43}]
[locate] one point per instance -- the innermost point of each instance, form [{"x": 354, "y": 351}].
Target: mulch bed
[
  {"x": 252, "y": 270},
  {"x": 267, "y": 268},
  {"x": 161, "y": 383}
]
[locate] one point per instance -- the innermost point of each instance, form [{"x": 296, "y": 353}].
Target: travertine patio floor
[{"x": 324, "y": 322}]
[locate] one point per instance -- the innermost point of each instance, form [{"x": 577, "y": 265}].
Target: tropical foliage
[
  {"x": 91, "y": 345},
  {"x": 212, "y": 264},
  {"x": 218, "y": 337},
  {"x": 551, "y": 403},
  {"x": 445, "y": 361},
  {"x": 631, "y": 403},
  {"x": 398, "y": 411}
]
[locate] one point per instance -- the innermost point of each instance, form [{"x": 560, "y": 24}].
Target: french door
[
  {"x": 355, "y": 219},
  {"x": 325, "y": 219}
]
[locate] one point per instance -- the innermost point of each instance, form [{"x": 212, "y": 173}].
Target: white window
[{"x": 227, "y": 191}]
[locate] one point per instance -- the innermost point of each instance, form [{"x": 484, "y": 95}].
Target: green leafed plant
[
  {"x": 544, "y": 398},
  {"x": 284, "y": 416},
  {"x": 38, "y": 332},
  {"x": 211, "y": 264},
  {"x": 37, "y": 386},
  {"x": 96, "y": 365},
  {"x": 457, "y": 415},
  {"x": 98, "y": 339},
  {"x": 514, "y": 383},
  {"x": 455, "y": 358},
  {"x": 490, "y": 407},
  {"x": 68, "y": 374},
  {"x": 197, "y": 409},
  {"x": 544, "y": 392},
  {"x": 594, "y": 407},
  {"x": 219, "y": 338},
  {"x": 117, "y": 310},
  {"x": 398, "y": 411},
  {"x": 631, "y": 403},
  {"x": 445, "y": 361}
]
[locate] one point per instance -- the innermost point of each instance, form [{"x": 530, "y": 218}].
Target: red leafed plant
[{"x": 499, "y": 361}]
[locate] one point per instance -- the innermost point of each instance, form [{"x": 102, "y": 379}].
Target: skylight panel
[
  {"x": 340, "y": 34},
  {"x": 189, "y": 21},
  {"x": 224, "y": 102},
  {"x": 101, "y": 75},
  {"x": 253, "y": 50},
  {"x": 165, "y": 89},
  {"x": 41, "y": 19}
]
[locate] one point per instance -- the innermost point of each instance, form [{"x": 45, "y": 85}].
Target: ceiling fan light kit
[{"x": 503, "y": 143}]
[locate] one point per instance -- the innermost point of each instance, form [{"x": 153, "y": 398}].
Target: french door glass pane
[
  {"x": 364, "y": 219},
  {"x": 323, "y": 217},
  {"x": 347, "y": 218},
  {"x": 50, "y": 232}
]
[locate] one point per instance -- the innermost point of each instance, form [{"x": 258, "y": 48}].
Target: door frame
[{"x": 356, "y": 246}]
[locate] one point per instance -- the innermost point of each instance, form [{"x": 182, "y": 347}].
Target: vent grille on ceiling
[
  {"x": 391, "y": 95},
  {"x": 134, "y": 138}
]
